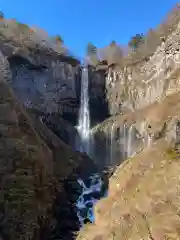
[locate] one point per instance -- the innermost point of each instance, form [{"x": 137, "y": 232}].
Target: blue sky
[{"x": 81, "y": 21}]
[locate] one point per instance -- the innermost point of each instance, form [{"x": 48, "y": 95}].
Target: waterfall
[
  {"x": 84, "y": 116},
  {"x": 124, "y": 141},
  {"x": 130, "y": 142},
  {"x": 112, "y": 143},
  {"x": 149, "y": 141}
]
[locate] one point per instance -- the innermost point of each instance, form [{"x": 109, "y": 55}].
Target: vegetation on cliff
[
  {"x": 32, "y": 37},
  {"x": 141, "y": 46}
]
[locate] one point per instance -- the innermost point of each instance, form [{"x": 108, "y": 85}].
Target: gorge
[{"x": 89, "y": 151}]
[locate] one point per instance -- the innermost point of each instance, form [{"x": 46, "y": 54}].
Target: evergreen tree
[{"x": 136, "y": 41}]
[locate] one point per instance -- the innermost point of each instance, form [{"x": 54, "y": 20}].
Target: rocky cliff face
[
  {"x": 138, "y": 85},
  {"x": 48, "y": 89},
  {"x": 43, "y": 79},
  {"x": 97, "y": 94},
  {"x": 134, "y": 90}
]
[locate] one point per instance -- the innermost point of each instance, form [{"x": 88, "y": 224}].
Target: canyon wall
[
  {"x": 139, "y": 97},
  {"x": 136, "y": 86}
]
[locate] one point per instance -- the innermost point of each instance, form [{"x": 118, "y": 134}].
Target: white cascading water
[
  {"x": 84, "y": 116},
  {"x": 112, "y": 143},
  {"x": 130, "y": 142},
  {"x": 149, "y": 141},
  {"x": 124, "y": 141}
]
